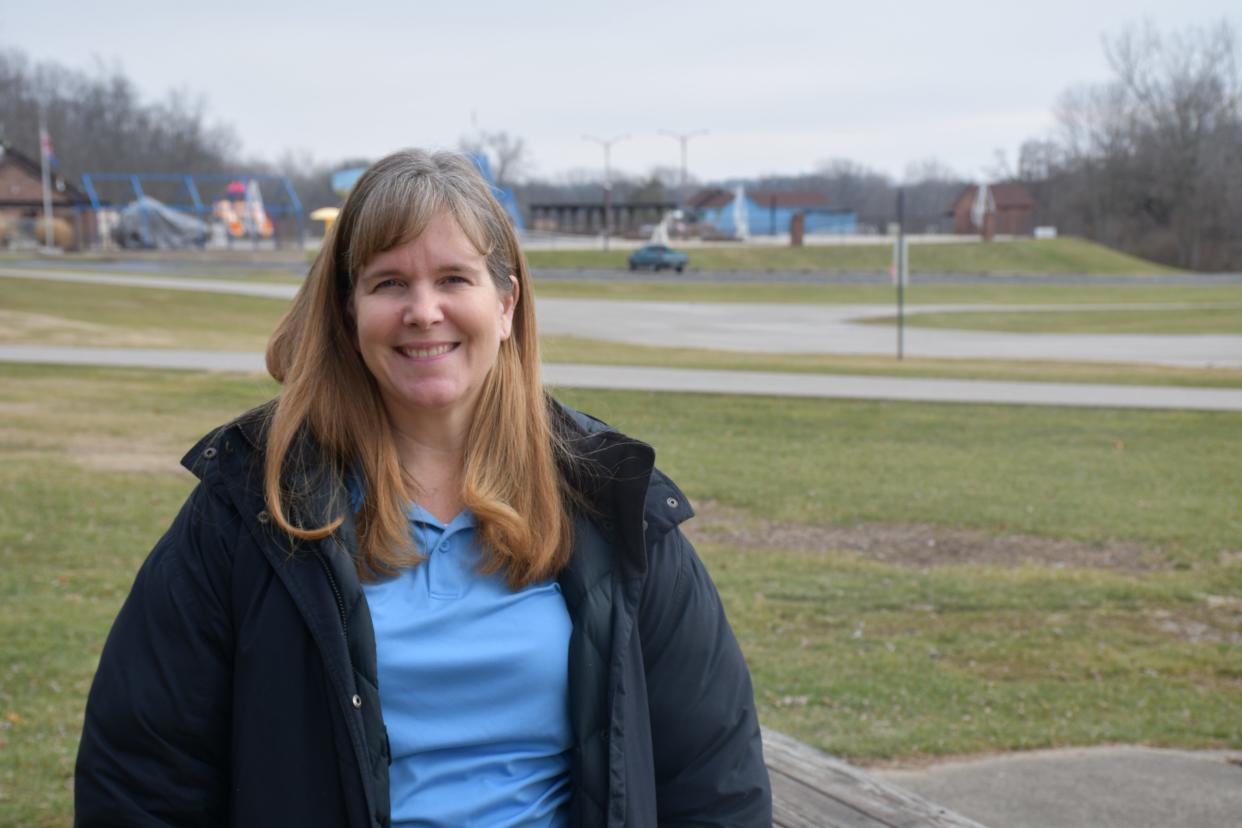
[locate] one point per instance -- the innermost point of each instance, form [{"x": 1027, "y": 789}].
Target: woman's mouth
[{"x": 427, "y": 351}]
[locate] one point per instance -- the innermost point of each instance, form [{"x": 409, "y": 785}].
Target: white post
[{"x": 45, "y": 145}]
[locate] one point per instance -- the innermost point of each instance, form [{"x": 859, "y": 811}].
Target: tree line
[
  {"x": 1150, "y": 161},
  {"x": 100, "y": 123}
]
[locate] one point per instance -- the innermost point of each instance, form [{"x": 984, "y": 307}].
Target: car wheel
[
  {"x": 633, "y": 267},
  {"x": 680, "y": 268}
]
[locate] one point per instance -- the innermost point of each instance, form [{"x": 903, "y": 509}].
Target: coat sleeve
[
  {"x": 155, "y": 740},
  {"x": 705, "y": 732}
]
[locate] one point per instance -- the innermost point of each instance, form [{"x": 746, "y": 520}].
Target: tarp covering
[{"x": 151, "y": 224}]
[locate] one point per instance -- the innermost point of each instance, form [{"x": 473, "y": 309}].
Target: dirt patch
[
  {"x": 93, "y": 453},
  {"x": 23, "y": 408},
  {"x": 121, "y": 456},
  {"x": 1218, "y": 620},
  {"x": 918, "y": 545},
  {"x": 17, "y": 327},
  {"x": 27, "y": 439}
]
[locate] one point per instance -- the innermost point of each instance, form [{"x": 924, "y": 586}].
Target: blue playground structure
[
  {"x": 199, "y": 194},
  {"x": 344, "y": 180}
]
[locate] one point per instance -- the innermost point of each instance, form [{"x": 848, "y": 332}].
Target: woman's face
[{"x": 430, "y": 322}]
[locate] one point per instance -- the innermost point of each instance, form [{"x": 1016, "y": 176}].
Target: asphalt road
[
  {"x": 833, "y": 329},
  {"x": 807, "y": 328}
]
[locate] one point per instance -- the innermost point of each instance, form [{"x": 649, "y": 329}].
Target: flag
[{"x": 45, "y": 146}]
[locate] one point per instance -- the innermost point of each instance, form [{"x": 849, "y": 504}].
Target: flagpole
[{"x": 44, "y": 145}]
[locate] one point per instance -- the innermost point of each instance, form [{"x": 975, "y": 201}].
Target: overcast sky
[{"x": 780, "y": 86}]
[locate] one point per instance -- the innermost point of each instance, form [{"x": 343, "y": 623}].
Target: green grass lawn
[
  {"x": 75, "y": 313},
  {"x": 1224, "y": 319},
  {"x": 601, "y": 352},
  {"x": 625, "y": 287},
  {"x": 1063, "y": 255},
  {"x": 865, "y": 658}
]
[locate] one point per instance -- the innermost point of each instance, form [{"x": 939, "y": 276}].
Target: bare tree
[
  {"x": 931, "y": 188},
  {"x": 1150, "y": 161},
  {"x": 98, "y": 123}
]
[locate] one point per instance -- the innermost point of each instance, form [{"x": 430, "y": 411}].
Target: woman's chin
[{"x": 426, "y": 400}]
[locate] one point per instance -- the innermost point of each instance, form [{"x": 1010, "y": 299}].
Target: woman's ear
[{"x": 508, "y": 304}]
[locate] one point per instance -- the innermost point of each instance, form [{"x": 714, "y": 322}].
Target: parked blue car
[{"x": 657, "y": 257}]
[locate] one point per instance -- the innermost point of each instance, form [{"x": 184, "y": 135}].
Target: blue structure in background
[
  {"x": 344, "y": 180},
  {"x": 503, "y": 194},
  {"x": 768, "y": 214},
  {"x": 290, "y": 206}
]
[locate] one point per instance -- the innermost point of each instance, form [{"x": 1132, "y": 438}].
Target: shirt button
[{"x": 357, "y": 701}]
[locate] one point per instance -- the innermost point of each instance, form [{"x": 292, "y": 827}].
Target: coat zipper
[{"x": 336, "y": 591}]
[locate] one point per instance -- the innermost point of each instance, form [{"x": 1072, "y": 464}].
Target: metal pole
[
  {"x": 607, "y": 145},
  {"x": 45, "y": 143},
  {"x": 607, "y": 194},
  {"x": 901, "y": 272},
  {"x": 683, "y": 138}
]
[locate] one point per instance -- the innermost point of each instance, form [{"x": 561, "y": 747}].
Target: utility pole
[
  {"x": 45, "y": 150},
  {"x": 683, "y": 138},
  {"x": 903, "y": 271},
  {"x": 607, "y": 145}
]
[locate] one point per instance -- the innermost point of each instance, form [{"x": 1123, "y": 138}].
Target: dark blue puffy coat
[{"x": 238, "y": 684}]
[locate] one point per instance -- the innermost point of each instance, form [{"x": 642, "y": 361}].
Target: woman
[{"x": 413, "y": 589}]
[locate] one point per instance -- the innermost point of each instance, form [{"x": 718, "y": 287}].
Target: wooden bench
[{"x": 811, "y": 789}]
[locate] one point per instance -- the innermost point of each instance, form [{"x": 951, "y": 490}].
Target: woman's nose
[{"x": 422, "y": 308}]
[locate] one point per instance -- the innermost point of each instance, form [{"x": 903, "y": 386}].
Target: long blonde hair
[{"x": 511, "y": 481}]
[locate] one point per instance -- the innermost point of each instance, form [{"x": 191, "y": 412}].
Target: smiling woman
[
  {"x": 414, "y": 588},
  {"x": 430, "y": 321}
]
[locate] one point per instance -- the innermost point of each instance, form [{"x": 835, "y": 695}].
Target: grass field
[
  {"x": 1223, "y": 319},
  {"x": 73, "y": 313},
  {"x": 600, "y": 352},
  {"x": 1064, "y": 255},
  {"x": 635, "y": 288},
  {"x": 1087, "y": 585}
]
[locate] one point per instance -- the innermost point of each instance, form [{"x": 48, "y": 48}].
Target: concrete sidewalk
[
  {"x": 715, "y": 382},
  {"x": 1099, "y": 787}
]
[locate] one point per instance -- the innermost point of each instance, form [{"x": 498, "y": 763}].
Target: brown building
[
  {"x": 21, "y": 202},
  {"x": 1012, "y": 211},
  {"x": 625, "y": 218}
]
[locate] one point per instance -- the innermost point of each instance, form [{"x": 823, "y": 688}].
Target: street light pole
[
  {"x": 45, "y": 152},
  {"x": 683, "y": 138},
  {"x": 607, "y": 145}
]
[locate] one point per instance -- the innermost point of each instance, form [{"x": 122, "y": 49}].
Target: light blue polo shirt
[{"x": 474, "y": 687}]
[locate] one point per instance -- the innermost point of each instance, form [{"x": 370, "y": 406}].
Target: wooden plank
[
  {"x": 798, "y": 805},
  {"x": 811, "y": 780}
]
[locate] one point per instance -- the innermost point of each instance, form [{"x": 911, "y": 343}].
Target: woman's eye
[
  {"x": 388, "y": 283},
  {"x": 454, "y": 279}
]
